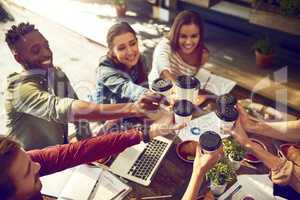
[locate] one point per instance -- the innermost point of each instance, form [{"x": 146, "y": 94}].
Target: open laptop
[{"x": 140, "y": 162}]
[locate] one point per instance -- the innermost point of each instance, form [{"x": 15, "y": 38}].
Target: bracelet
[{"x": 279, "y": 166}]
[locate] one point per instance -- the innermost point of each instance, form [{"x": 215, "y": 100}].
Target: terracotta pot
[
  {"x": 263, "y": 60},
  {"x": 121, "y": 10}
]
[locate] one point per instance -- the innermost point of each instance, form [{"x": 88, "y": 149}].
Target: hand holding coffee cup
[
  {"x": 209, "y": 151},
  {"x": 226, "y": 111},
  {"x": 163, "y": 87},
  {"x": 210, "y": 141}
]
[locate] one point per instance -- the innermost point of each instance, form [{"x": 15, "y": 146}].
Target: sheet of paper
[
  {"x": 203, "y": 76},
  {"x": 109, "y": 186},
  {"x": 81, "y": 183},
  {"x": 208, "y": 122},
  {"x": 219, "y": 85},
  {"x": 253, "y": 185},
  {"x": 53, "y": 184}
]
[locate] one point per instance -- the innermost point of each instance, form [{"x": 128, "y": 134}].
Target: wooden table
[{"x": 173, "y": 174}]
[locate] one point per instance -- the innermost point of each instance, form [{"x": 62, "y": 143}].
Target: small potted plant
[
  {"x": 290, "y": 7},
  {"x": 264, "y": 53},
  {"x": 234, "y": 152},
  {"x": 255, "y": 3},
  {"x": 221, "y": 174},
  {"x": 121, "y": 7}
]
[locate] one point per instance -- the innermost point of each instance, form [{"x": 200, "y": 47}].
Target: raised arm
[
  {"x": 202, "y": 163},
  {"x": 161, "y": 60},
  {"x": 60, "y": 157},
  {"x": 271, "y": 161},
  {"x": 95, "y": 112},
  {"x": 57, "y": 158},
  {"x": 287, "y": 130},
  {"x": 283, "y": 172},
  {"x": 63, "y": 110}
]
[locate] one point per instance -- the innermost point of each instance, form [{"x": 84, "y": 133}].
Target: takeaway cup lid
[
  {"x": 228, "y": 114},
  {"x": 183, "y": 108},
  {"x": 161, "y": 85},
  {"x": 187, "y": 82},
  {"x": 226, "y": 100},
  {"x": 210, "y": 141}
]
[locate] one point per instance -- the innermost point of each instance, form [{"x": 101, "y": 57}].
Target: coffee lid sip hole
[{"x": 195, "y": 131}]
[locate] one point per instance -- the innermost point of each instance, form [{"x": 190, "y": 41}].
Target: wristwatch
[{"x": 145, "y": 130}]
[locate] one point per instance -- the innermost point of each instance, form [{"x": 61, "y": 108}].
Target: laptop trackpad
[{"x": 126, "y": 158}]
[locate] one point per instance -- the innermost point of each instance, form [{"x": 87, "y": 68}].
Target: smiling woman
[
  {"x": 182, "y": 52},
  {"x": 122, "y": 73}
]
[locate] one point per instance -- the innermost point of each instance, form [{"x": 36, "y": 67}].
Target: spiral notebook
[{"x": 84, "y": 182}]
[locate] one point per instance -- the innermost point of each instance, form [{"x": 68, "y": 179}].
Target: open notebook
[{"x": 84, "y": 182}]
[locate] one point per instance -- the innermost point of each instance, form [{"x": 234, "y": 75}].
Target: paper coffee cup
[
  {"x": 162, "y": 86},
  {"x": 187, "y": 87},
  {"x": 183, "y": 110},
  {"x": 227, "y": 116}
]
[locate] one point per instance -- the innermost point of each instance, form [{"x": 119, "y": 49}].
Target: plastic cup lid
[
  {"x": 210, "y": 141},
  {"x": 226, "y": 100},
  {"x": 161, "y": 85},
  {"x": 187, "y": 82},
  {"x": 183, "y": 108},
  {"x": 228, "y": 114}
]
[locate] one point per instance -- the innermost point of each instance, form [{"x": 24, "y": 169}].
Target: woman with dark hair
[
  {"x": 182, "y": 52},
  {"x": 122, "y": 73}
]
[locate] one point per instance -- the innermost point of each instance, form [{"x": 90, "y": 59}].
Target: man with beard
[{"x": 40, "y": 101}]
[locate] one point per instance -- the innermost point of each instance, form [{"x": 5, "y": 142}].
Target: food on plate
[
  {"x": 260, "y": 111},
  {"x": 186, "y": 150}
]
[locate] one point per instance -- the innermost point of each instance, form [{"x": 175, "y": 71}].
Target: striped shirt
[{"x": 165, "y": 59}]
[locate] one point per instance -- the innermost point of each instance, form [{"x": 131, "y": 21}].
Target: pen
[{"x": 229, "y": 197}]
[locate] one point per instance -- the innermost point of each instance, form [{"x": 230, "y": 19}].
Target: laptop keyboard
[{"x": 147, "y": 160}]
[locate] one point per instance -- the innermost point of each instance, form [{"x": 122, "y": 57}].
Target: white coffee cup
[
  {"x": 183, "y": 110},
  {"x": 187, "y": 87},
  {"x": 227, "y": 116},
  {"x": 162, "y": 86}
]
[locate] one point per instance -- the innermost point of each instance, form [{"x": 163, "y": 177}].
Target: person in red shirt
[{"x": 20, "y": 171}]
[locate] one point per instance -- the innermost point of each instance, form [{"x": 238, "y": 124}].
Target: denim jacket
[{"x": 116, "y": 86}]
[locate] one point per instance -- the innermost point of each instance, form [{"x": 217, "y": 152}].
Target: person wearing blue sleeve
[{"x": 122, "y": 73}]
